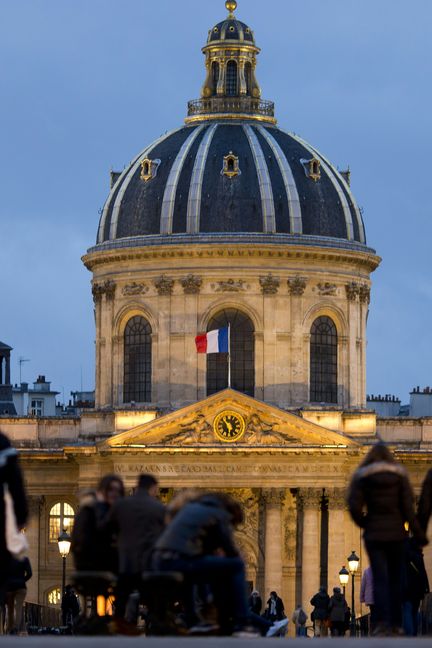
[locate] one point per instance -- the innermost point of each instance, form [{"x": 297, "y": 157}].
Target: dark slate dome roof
[
  {"x": 273, "y": 194},
  {"x": 231, "y": 29}
]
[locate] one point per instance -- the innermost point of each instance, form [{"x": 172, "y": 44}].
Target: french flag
[{"x": 213, "y": 342}]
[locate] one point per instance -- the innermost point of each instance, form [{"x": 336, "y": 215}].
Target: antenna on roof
[{"x": 21, "y": 361}]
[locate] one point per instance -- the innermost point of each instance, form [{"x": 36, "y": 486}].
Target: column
[
  {"x": 336, "y": 550},
  {"x": 33, "y": 537},
  {"x": 310, "y": 501},
  {"x": 7, "y": 373},
  {"x": 273, "y": 499}
]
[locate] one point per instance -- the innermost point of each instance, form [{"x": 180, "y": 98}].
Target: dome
[
  {"x": 239, "y": 178},
  {"x": 231, "y": 29}
]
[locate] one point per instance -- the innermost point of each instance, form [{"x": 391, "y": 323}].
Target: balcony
[{"x": 231, "y": 108}]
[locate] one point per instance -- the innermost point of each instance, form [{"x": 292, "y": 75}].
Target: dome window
[
  {"x": 215, "y": 30},
  {"x": 149, "y": 169},
  {"x": 312, "y": 168},
  {"x": 231, "y": 165}
]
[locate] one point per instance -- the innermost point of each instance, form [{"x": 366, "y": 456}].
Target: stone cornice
[{"x": 111, "y": 255}]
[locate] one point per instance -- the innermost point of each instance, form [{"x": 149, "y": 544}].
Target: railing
[
  {"x": 41, "y": 616},
  {"x": 241, "y": 105}
]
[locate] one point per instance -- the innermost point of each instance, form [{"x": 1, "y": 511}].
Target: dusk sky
[{"x": 86, "y": 84}]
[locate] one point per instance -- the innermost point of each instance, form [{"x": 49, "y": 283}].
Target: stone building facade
[{"x": 227, "y": 221}]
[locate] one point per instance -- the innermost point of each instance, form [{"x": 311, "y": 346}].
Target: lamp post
[
  {"x": 64, "y": 544},
  {"x": 343, "y": 578},
  {"x": 353, "y": 563}
]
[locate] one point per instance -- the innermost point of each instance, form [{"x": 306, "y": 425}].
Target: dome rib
[
  {"x": 268, "y": 210},
  {"x": 169, "y": 197},
  {"x": 344, "y": 183},
  {"x": 294, "y": 206},
  {"x": 195, "y": 191}
]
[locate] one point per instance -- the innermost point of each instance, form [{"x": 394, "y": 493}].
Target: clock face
[{"x": 229, "y": 426}]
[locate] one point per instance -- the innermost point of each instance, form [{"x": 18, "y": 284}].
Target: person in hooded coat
[
  {"x": 381, "y": 487},
  {"x": 320, "y": 614},
  {"x": 337, "y": 613}
]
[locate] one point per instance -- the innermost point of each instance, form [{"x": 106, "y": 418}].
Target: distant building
[
  {"x": 384, "y": 406},
  {"x": 6, "y": 401},
  {"x": 39, "y": 401},
  {"x": 388, "y": 406}
]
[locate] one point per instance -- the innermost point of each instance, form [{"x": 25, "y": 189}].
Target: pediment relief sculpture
[{"x": 229, "y": 419}]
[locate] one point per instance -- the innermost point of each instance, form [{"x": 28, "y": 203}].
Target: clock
[{"x": 229, "y": 426}]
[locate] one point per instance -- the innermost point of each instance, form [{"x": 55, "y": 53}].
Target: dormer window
[
  {"x": 149, "y": 169},
  {"x": 312, "y": 168},
  {"x": 231, "y": 165}
]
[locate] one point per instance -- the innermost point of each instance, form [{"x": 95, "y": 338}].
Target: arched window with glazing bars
[
  {"x": 323, "y": 361},
  {"x": 242, "y": 354},
  {"x": 231, "y": 79},
  {"x": 137, "y": 361}
]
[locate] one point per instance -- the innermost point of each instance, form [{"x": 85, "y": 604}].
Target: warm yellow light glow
[{"x": 128, "y": 420}]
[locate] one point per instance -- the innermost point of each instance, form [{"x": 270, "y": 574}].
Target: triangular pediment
[{"x": 229, "y": 418}]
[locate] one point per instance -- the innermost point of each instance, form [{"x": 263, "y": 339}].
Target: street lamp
[
  {"x": 353, "y": 563},
  {"x": 343, "y": 578},
  {"x": 64, "y": 544}
]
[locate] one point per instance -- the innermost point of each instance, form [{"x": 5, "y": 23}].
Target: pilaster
[
  {"x": 273, "y": 499},
  {"x": 310, "y": 501}
]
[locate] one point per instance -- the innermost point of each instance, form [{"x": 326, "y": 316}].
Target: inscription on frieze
[{"x": 226, "y": 469}]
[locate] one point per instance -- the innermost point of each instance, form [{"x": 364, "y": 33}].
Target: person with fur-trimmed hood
[{"x": 381, "y": 501}]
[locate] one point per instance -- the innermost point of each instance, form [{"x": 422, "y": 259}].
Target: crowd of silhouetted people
[{"x": 177, "y": 567}]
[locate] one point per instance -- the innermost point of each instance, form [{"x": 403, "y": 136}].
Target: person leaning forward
[{"x": 137, "y": 521}]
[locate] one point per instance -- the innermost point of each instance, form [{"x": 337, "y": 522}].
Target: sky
[{"x": 86, "y": 84}]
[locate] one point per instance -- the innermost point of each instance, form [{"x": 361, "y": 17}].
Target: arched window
[
  {"x": 215, "y": 76},
  {"x": 54, "y": 596},
  {"x": 323, "y": 361},
  {"x": 248, "y": 77},
  {"x": 231, "y": 79},
  {"x": 242, "y": 354},
  {"x": 137, "y": 361},
  {"x": 61, "y": 516}
]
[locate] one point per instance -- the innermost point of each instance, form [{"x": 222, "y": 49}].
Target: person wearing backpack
[
  {"x": 299, "y": 618},
  {"x": 320, "y": 602}
]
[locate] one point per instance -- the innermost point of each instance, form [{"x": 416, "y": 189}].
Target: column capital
[
  {"x": 337, "y": 498},
  {"x": 35, "y": 504},
  {"x": 273, "y": 496},
  {"x": 310, "y": 498}
]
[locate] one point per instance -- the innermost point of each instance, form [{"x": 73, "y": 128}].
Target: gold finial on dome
[{"x": 231, "y": 5}]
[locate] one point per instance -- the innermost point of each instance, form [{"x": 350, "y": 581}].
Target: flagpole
[{"x": 229, "y": 355}]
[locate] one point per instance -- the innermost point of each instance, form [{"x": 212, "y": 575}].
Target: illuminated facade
[{"x": 227, "y": 219}]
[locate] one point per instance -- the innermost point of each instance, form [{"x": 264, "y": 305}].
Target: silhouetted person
[
  {"x": 380, "y": 486},
  {"x": 255, "y": 602},
  {"x": 20, "y": 572},
  {"x": 320, "y": 613},
  {"x": 337, "y": 613},
  {"x": 425, "y": 502},
  {"x": 69, "y": 606},
  {"x": 92, "y": 545},
  {"x": 10, "y": 476},
  {"x": 137, "y": 521}
]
